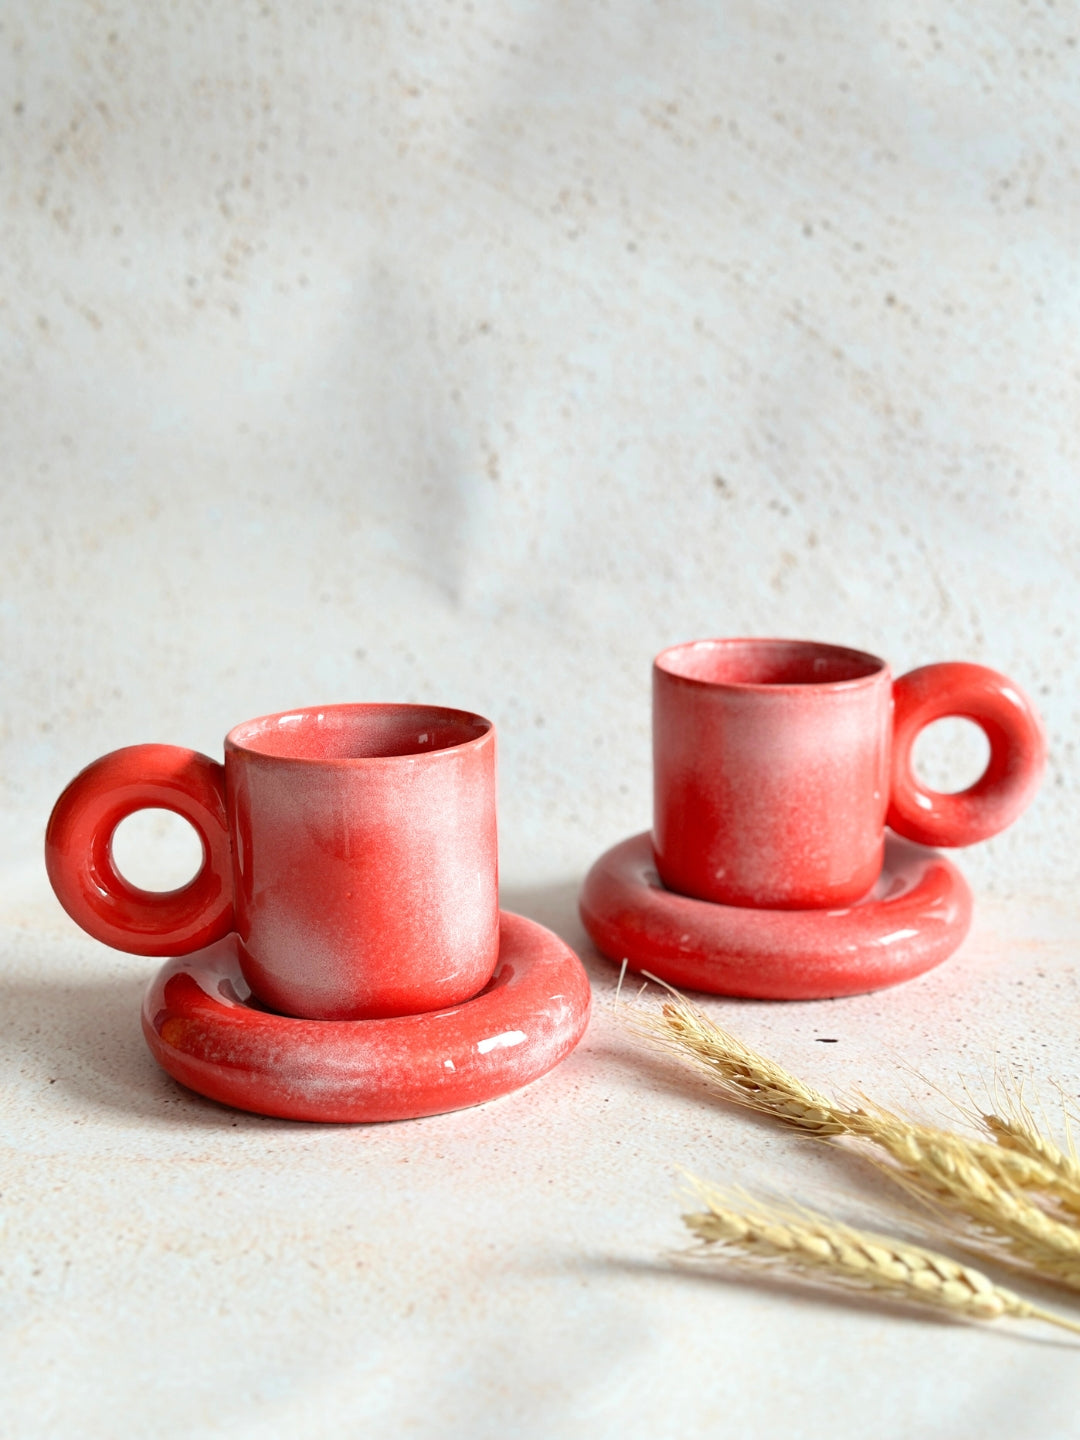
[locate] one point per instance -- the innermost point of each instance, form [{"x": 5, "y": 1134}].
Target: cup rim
[
  {"x": 875, "y": 669},
  {"x": 239, "y": 737}
]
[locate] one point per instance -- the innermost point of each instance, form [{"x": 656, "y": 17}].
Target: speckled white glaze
[{"x": 365, "y": 865}]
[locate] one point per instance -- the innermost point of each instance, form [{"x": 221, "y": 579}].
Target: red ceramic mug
[
  {"x": 778, "y": 763},
  {"x": 351, "y": 847}
]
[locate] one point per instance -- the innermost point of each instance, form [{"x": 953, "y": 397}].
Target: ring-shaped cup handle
[
  {"x": 78, "y": 851},
  {"x": 1017, "y": 754}
]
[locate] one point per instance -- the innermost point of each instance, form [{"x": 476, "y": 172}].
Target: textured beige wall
[{"x": 473, "y": 352}]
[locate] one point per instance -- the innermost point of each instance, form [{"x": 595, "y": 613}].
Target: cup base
[
  {"x": 206, "y": 1030},
  {"x": 860, "y": 889},
  {"x": 916, "y": 915}
]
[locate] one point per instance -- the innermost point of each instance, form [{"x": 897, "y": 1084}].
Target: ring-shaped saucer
[
  {"x": 914, "y": 918},
  {"x": 204, "y": 1027}
]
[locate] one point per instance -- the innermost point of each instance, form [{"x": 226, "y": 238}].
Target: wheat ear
[
  {"x": 747, "y": 1078},
  {"x": 816, "y": 1247},
  {"x": 1016, "y": 1137},
  {"x": 946, "y": 1172},
  {"x": 1018, "y": 1132},
  {"x": 983, "y": 1184},
  {"x": 739, "y": 1073}
]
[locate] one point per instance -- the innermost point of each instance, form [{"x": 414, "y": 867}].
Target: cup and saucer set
[
  {"x": 341, "y": 955},
  {"x": 792, "y": 853}
]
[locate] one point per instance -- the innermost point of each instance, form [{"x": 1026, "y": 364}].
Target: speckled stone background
[{"x": 472, "y": 352}]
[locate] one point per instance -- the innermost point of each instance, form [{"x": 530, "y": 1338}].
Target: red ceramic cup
[
  {"x": 351, "y": 847},
  {"x": 778, "y": 763}
]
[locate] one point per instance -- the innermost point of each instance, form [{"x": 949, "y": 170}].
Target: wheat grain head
[
  {"x": 1017, "y": 1132},
  {"x": 739, "y": 1073},
  {"x": 813, "y": 1246},
  {"x": 990, "y": 1190}
]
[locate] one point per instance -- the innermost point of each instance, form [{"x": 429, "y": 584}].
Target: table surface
[{"x": 510, "y": 1270}]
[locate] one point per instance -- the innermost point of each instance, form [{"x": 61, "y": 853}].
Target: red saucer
[
  {"x": 206, "y": 1030},
  {"x": 914, "y": 918}
]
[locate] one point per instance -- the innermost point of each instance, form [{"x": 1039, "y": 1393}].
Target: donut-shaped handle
[
  {"x": 78, "y": 851},
  {"x": 1017, "y": 754}
]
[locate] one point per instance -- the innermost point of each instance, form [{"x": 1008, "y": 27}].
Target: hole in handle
[
  {"x": 157, "y": 850},
  {"x": 958, "y": 690},
  {"x": 950, "y": 755}
]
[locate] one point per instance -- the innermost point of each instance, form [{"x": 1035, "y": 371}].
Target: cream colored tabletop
[
  {"x": 505, "y": 1271},
  {"x": 471, "y": 353}
]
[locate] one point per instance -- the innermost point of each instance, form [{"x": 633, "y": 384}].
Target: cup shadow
[
  {"x": 555, "y": 906},
  {"x": 77, "y": 1041},
  {"x": 695, "y": 1269},
  {"x": 77, "y": 1045}
]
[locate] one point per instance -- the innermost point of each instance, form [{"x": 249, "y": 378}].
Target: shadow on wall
[
  {"x": 554, "y": 905},
  {"x": 390, "y": 396}
]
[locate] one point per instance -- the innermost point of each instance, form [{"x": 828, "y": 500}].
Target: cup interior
[
  {"x": 767, "y": 663},
  {"x": 358, "y": 732}
]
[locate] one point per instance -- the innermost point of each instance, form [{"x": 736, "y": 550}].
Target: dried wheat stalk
[
  {"x": 748, "y": 1078},
  {"x": 1018, "y": 1133},
  {"x": 993, "y": 1187},
  {"x": 813, "y": 1246},
  {"x": 946, "y": 1171}
]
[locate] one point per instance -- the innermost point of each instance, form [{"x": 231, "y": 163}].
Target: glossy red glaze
[
  {"x": 357, "y": 861},
  {"x": 78, "y": 850},
  {"x": 916, "y": 915},
  {"x": 204, "y": 1029},
  {"x": 773, "y": 761},
  {"x": 1017, "y": 754}
]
